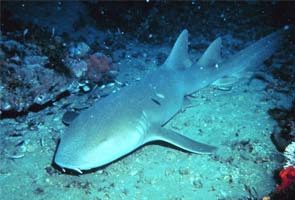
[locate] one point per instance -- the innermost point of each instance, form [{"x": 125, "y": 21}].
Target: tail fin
[
  {"x": 209, "y": 68},
  {"x": 254, "y": 55}
]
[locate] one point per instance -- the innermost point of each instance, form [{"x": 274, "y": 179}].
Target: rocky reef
[{"x": 41, "y": 68}]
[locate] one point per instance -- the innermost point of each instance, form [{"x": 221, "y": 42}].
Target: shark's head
[
  {"x": 87, "y": 143},
  {"x": 83, "y": 153}
]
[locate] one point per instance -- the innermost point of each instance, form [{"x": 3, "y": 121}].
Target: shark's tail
[
  {"x": 254, "y": 55},
  {"x": 210, "y": 67}
]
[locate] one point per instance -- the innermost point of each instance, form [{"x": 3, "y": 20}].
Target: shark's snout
[
  {"x": 64, "y": 167},
  {"x": 64, "y": 163},
  {"x": 71, "y": 160},
  {"x": 79, "y": 157}
]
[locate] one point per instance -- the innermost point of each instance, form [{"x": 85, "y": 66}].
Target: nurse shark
[{"x": 121, "y": 122}]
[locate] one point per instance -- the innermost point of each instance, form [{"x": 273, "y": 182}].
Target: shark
[{"x": 124, "y": 121}]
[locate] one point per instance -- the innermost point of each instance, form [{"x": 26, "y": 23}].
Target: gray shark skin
[{"x": 120, "y": 123}]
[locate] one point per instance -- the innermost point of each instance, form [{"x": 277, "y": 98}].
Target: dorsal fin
[
  {"x": 212, "y": 54},
  {"x": 178, "y": 58}
]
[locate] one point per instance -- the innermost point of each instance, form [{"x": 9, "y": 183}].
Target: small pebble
[
  {"x": 183, "y": 171},
  {"x": 111, "y": 85},
  {"x": 86, "y": 88},
  {"x": 118, "y": 82},
  {"x": 102, "y": 87},
  {"x": 197, "y": 183}
]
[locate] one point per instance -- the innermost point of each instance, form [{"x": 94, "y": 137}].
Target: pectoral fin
[{"x": 181, "y": 141}]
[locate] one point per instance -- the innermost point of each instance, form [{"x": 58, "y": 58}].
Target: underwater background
[{"x": 61, "y": 56}]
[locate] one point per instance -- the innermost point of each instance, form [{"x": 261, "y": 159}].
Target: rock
[
  {"x": 78, "y": 68},
  {"x": 32, "y": 60},
  {"x": 197, "y": 183},
  {"x": 69, "y": 116},
  {"x": 41, "y": 99},
  {"x": 284, "y": 102},
  {"x": 279, "y": 141},
  {"x": 79, "y": 51},
  {"x": 2, "y": 55},
  {"x": 86, "y": 88},
  {"x": 27, "y": 85},
  {"x": 11, "y": 46},
  {"x": 183, "y": 172}
]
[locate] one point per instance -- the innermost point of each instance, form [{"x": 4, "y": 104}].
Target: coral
[
  {"x": 286, "y": 189},
  {"x": 97, "y": 65},
  {"x": 288, "y": 178},
  {"x": 290, "y": 155},
  {"x": 99, "y": 62},
  {"x": 92, "y": 69},
  {"x": 85, "y": 66}
]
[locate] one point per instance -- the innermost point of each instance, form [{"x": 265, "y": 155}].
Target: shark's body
[{"x": 121, "y": 122}]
